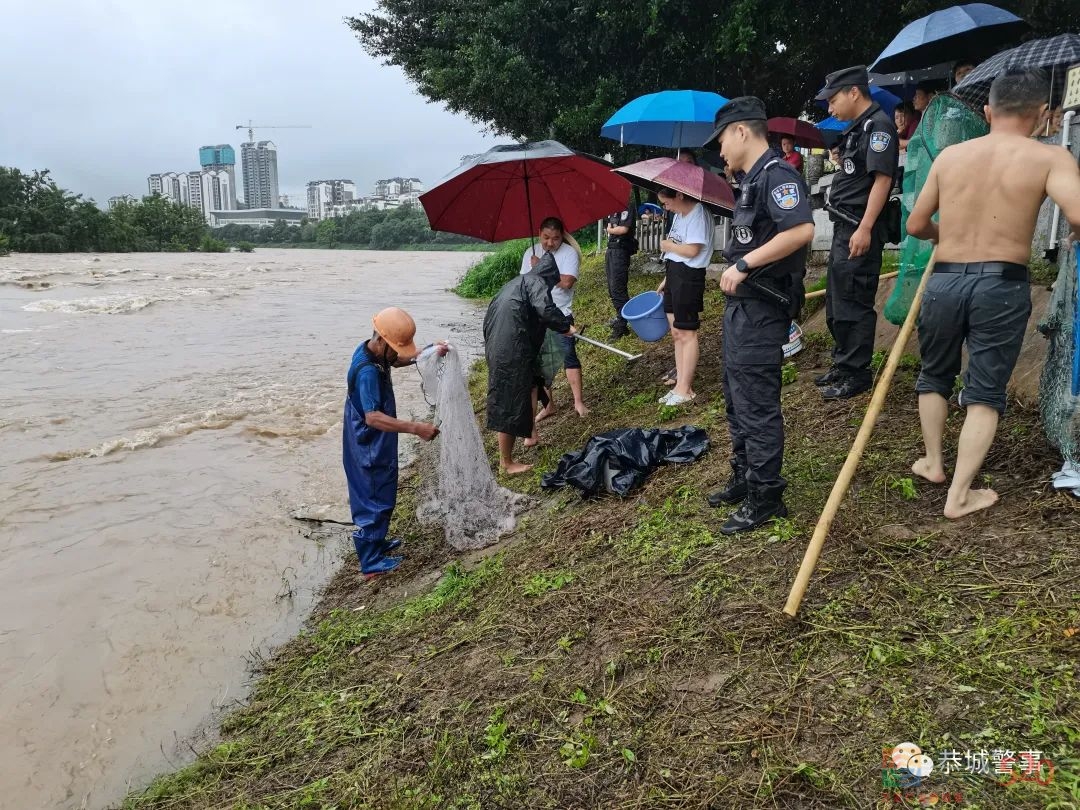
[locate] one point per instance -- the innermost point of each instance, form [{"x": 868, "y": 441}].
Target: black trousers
[
  {"x": 849, "y": 301},
  {"x": 755, "y": 332},
  {"x": 617, "y": 268}
]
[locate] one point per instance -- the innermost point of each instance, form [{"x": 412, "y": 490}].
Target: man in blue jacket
[{"x": 370, "y": 436}]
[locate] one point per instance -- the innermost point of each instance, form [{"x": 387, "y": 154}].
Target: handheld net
[{"x": 462, "y": 497}]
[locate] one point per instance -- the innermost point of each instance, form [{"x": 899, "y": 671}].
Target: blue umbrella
[
  {"x": 883, "y": 97},
  {"x": 972, "y": 30},
  {"x": 672, "y": 118},
  {"x": 831, "y": 129}
]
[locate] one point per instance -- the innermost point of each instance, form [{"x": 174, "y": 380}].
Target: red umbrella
[
  {"x": 691, "y": 180},
  {"x": 804, "y": 133},
  {"x": 509, "y": 190}
]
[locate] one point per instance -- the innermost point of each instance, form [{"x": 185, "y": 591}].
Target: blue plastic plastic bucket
[{"x": 645, "y": 314}]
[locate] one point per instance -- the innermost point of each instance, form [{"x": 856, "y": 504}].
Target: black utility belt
[
  {"x": 1010, "y": 271},
  {"x": 614, "y": 244}
]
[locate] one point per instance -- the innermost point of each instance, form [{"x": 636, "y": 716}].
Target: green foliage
[
  {"x": 37, "y": 216},
  {"x": 542, "y": 583},
  {"x": 485, "y": 277},
  {"x": 211, "y": 245},
  {"x": 560, "y": 69},
  {"x": 245, "y": 247},
  {"x": 788, "y": 374},
  {"x": 906, "y": 488},
  {"x": 5, "y": 245}
]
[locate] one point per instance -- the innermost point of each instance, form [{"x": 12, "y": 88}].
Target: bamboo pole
[
  {"x": 822, "y": 291},
  {"x": 862, "y": 438}
]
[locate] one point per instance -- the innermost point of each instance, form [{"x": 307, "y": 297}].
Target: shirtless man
[{"x": 988, "y": 192}]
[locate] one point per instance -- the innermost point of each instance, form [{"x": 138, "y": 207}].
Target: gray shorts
[{"x": 988, "y": 312}]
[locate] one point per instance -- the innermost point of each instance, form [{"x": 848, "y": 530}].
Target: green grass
[
  {"x": 487, "y": 276},
  {"x": 625, "y": 654}
]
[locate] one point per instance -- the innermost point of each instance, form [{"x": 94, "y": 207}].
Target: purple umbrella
[{"x": 691, "y": 180}]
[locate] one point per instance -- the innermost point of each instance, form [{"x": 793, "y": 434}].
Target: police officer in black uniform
[
  {"x": 869, "y": 152},
  {"x": 772, "y": 225},
  {"x": 621, "y": 245}
]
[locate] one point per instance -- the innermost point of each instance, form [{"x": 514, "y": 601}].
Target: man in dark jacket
[{"x": 514, "y": 328}]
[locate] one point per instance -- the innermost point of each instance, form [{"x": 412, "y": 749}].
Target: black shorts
[
  {"x": 684, "y": 294},
  {"x": 987, "y": 312}
]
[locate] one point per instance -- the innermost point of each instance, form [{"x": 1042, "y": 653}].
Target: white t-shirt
[
  {"x": 696, "y": 228},
  {"x": 566, "y": 259}
]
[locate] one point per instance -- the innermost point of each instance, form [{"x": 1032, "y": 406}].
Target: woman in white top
[
  {"x": 687, "y": 252},
  {"x": 555, "y": 240}
]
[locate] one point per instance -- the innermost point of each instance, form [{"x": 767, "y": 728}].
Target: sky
[{"x": 106, "y": 92}]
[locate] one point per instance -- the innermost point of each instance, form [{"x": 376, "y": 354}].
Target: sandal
[{"x": 670, "y": 378}]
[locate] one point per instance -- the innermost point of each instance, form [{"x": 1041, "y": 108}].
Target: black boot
[
  {"x": 846, "y": 388},
  {"x": 618, "y": 328},
  {"x": 734, "y": 491},
  {"x": 757, "y": 509},
  {"x": 830, "y": 377}
]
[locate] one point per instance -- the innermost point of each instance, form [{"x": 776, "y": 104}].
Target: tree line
[
  {"x": 559, "y": 69},
  {"x": 37, "y": 216}
]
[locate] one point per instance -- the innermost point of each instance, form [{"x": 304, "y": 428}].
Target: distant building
[
  {"x": 221, "y": 158},
  {"x": 122, "y": 198},
  {"x": 396, "y": 186},
  {"x": 283, "y": 201},
  {"x": 259, "y": 217},
  {"x": 322, "y": 195},
  {"x": 260, "y": 174},
  {"x": 205, "y": 190}
]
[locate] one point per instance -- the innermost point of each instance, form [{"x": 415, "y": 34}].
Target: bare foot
[
  {"x": 515, "y": 468},
  {"x": 973, "y": 501},
  {"x": 924, "y": 469},
  {"x": 532, "y": 441},
  {"x": 582, "y": 411},
  {"x": 547, "y": 412}
]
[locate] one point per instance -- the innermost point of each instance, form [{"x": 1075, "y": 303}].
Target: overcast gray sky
[{"x": 105, "y": 92}]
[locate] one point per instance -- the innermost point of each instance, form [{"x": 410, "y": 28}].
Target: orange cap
[{"x": 397, "y": 328}]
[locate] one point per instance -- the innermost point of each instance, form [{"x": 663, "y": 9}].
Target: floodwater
[{"x": 161, "y": 418}]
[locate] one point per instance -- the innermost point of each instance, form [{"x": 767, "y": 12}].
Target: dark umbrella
[
  {"x": 971, "y": 30},
  {"x": 1054, "y": 54},
  {"x": 804, "y": 133},
  {"x": 507, "y": 191},
  {"x": 691, "y": 180}
]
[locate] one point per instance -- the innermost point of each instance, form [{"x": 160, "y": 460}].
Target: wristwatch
[{"x": 742, "y": 266}]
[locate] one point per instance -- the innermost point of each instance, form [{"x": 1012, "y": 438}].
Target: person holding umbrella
[
  {"x": 771, "y": 228},
  {"x": 791, "y": 157},
  {"x": 687, "y": 251},
  {"x": 868, "y": 161}
]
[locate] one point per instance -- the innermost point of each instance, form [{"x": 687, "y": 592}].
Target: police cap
[
  {"x": 743, "y": 108},
  {"x": 848, "y": 77}
]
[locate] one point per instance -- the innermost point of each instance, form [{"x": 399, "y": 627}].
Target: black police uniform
[
  {"x": 774, "y": 198},
  {"x": 869, "y": 146},
  {"x": 617, "y": 265}
]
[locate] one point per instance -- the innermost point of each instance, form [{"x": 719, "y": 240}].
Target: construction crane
[{"x": 250, "y": 127}]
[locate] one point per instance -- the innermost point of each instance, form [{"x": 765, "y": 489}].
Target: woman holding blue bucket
[{"x": 687, "y": 251}]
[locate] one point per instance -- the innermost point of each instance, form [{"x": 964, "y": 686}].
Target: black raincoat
[{"x": 514, "y": 328}]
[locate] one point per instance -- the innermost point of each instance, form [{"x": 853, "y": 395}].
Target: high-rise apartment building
[
  {"x": 221, "y": 158},
  {"x": 259, "y": 161},
  {"x": 322, "y": 195},
  {"x": 205, "y": 190}
]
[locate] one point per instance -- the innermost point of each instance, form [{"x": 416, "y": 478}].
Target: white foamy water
[{"x": 155, "y": 436}]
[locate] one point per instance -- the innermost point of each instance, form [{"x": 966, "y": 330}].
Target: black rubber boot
[
  {"x": 846, "y": 388},
  {"x": 757, "y": 509},
  {"x": 619, "y": 329},
  {"x": 833, "y": 375},
  {"x": 734, "y": 491}
]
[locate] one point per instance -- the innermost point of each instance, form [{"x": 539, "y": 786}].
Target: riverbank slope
[{"x": 625, "y": 654}]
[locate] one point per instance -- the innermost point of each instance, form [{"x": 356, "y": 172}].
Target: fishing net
[
  {"x": 945, "y": 122},
  {"x": 462, "y": 496},
  {"x": 1058, "y": 400}
]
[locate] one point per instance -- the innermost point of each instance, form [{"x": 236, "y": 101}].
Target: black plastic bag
[{"x": 620, "y": 460}]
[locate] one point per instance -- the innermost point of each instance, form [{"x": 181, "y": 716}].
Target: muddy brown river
[{"x": 162, "y": 416}]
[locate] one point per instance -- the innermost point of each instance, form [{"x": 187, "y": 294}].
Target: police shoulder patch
[
  {"x": 786, "y": 195},
  {"x": 879, "y": 141}
]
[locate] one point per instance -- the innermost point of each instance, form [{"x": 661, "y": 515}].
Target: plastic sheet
[{"x": 620, "y": 460}]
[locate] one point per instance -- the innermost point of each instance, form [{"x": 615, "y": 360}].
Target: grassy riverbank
[{"x": 624, "y": 654}]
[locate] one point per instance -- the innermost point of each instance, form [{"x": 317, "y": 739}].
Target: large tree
[{"x": 559, "y": 68}]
